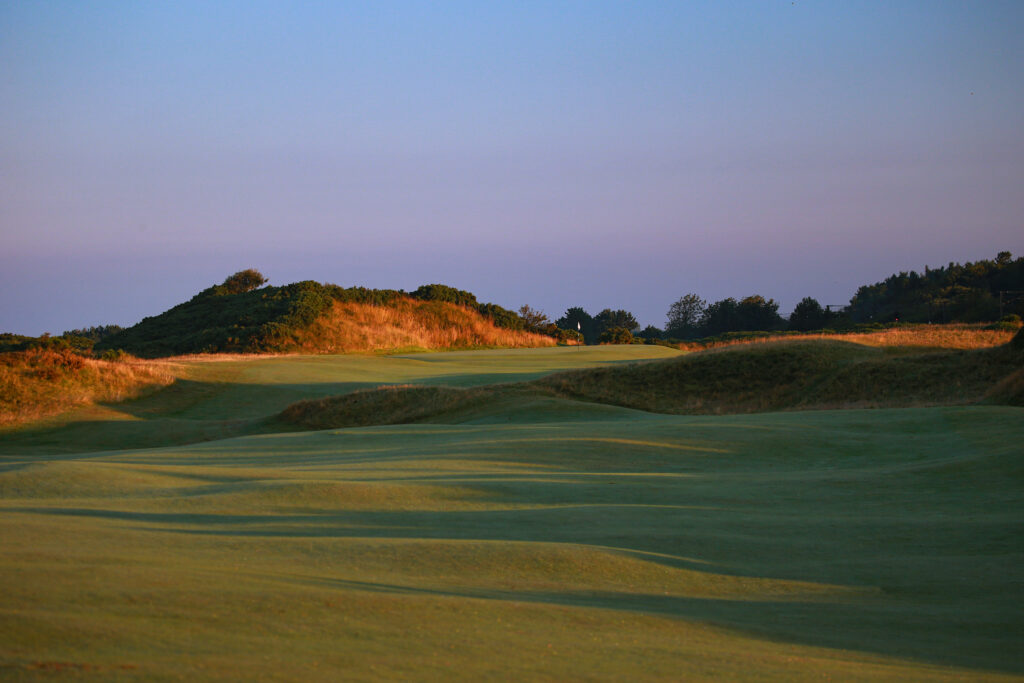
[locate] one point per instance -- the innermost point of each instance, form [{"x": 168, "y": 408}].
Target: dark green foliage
[
  {"x": 534, "y": 320},
  {"x": 752, "y": 313},
  {"x": 14, "y": 342},
  {"x": 445, "y": 293},
  {"x": 65, "y": 342},
  {"x": 616, "y": 335},
  {"x": 650, "y": 332},
  {"x": 609, "y": 319},
  {"x": 244, "y": 281},
  {"x": 501, "y": 317},
  {"x": 808, "y": 315},
  {"x": 241, "y": 282},
  {"x": 955, "y": 293},
  {"x": 267, "y": 319},
  {"x": 684, "y": 317},
  {"x": 256, "y": 320},
  {"x": 564, "y": 336},
  {"x": 95, "y": 333},
  {"x": 577, "y": 319}
]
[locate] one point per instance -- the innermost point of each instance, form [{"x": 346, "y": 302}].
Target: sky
[{"x": 555, "y": 154}]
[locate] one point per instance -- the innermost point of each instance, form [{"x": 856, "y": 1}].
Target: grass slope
[
  {"x": 798, "y": 375},
  {"x": 532, "y": 537},
  {"x": 41, "y": 382},
  {"x": 784, "y": 375}
]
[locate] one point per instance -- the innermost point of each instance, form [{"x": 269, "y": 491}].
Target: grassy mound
[
  {"x": 801, "y": 375},
  {"x": 322, "y": 318},
  {"x": 384, "y": 405},
  {"x": 42, "y": 382},
  {"x": 794, "y": 375},
  {"x": 406, "y": 323}
]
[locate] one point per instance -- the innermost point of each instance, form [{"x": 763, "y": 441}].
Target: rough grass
[
  {"x": 407, "y": 324},
  {"x": 824, "y": 374},
  {"x": 40, "y": 382},
  {"x": 908, "y": 337},
  {"x": 791, "y": 375},
  {"x": 383, "y": 405}
]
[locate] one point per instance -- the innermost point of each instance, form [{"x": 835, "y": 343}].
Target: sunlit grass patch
[{"x": 42, "y": 382}]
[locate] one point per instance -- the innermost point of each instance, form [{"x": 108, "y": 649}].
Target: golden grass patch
[
  {"x": 41, "y": 382},
  {"x": 408, "y": 324},
  {"x": 962, "y": 337}
]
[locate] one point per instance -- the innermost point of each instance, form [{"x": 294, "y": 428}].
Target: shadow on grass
[
  {"x": 933, "y": 607},
  {"x": 867, "y": 624}
]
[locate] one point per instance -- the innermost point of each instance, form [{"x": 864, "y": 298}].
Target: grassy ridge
[
  {"x": 42, "y": 382},
  {"x": 791, "y": 375},
  {"x": 403, "y": 324},
  {"x": 795, "y": 375}
]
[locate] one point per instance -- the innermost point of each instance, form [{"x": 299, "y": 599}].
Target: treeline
[{"x": 985, "y": 291}]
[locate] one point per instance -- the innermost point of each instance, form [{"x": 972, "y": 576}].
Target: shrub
[
  {"x": 616, "y": 335},
  {"x": 437, "y": 292}
]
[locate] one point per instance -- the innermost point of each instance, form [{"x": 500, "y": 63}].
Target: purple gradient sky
[{"x": 595, "y": 154}]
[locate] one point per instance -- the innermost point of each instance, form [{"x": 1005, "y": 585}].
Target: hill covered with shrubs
[{"x": 241, "y": 316}]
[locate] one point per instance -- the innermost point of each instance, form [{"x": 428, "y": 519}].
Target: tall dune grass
[
  {"x": 963, "y": 337},
  {"x": 41, "y": 382},
  {"x": 406, "y": 324}
]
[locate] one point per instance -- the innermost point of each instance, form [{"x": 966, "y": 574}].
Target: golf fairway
[{"x": 550, "y": 540}]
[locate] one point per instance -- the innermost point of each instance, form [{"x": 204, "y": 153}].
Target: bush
[
  {"x": 616, "y": 335},
  {"x": 445, "y": 293}
]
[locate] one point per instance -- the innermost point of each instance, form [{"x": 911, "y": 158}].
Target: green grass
[{"x": 535, "y": 537}]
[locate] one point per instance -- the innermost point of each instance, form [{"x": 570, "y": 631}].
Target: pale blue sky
[{"x": 600, "y": 154}]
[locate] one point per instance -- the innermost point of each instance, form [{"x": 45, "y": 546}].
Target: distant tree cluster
[
  {"x": 691, "y": 316},
  {"x": 971, "y": 292},
  {"x": 607, "y": 327},
  {"x": 984, "y": 291}
]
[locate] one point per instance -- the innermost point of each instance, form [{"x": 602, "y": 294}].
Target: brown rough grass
[
  {"x": 963, "y": 337},
  {"x": 40, "y": 382},
  {"x": 407, "y": 324}
]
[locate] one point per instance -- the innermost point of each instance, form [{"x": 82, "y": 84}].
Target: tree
[
  {"x": 650, "y": 332},
  {"x": 578, "y": 319},
  {"x": 758, "y": 313},
  {"x": 751, "y": 313},
  {"x": 244, "y": 281},
  {"x": 608, "y": 319},
  {"x": 720, "y": 317},
  {"x": 684, "y": 316},
  {"x": 533, "y": 320},
  {"x": 807, "y": 315}
]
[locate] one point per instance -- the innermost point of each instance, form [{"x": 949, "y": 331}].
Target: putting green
[{"x": 554, "y": 540}]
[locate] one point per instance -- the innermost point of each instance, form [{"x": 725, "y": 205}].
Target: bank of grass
[
  {"x": 908, "y": 337},
  {"x": 406, "y": 323},
  {"x": 814, "y": 374},
  {"x": 41, "y": 382},
  {"x": 798, "y": 375}
]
